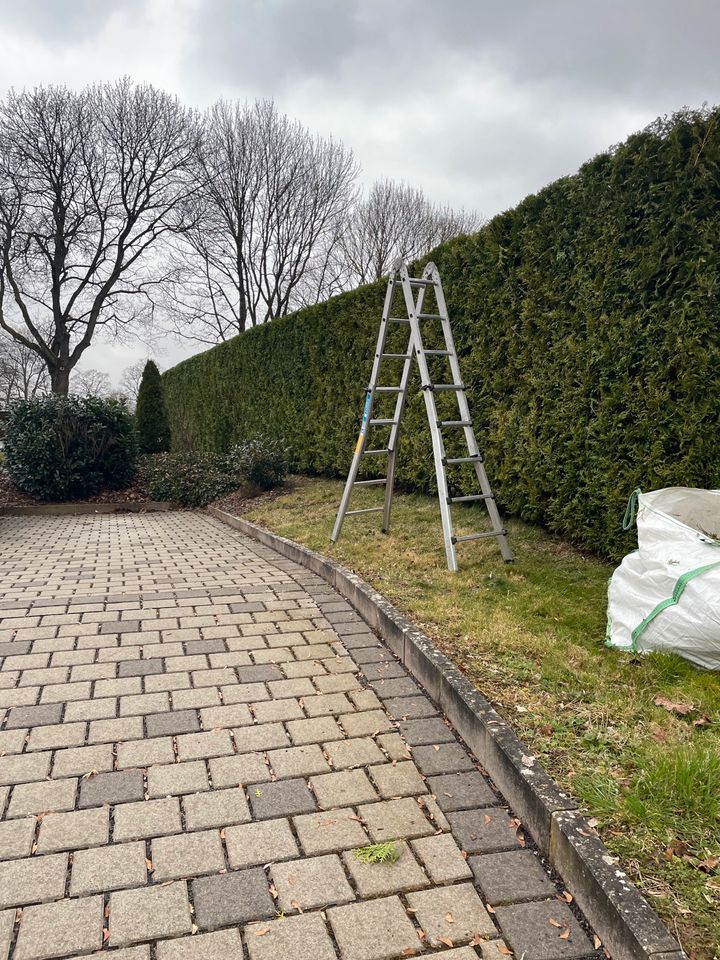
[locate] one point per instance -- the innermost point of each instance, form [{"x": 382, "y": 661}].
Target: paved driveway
[{"x": 199, "y": 735}]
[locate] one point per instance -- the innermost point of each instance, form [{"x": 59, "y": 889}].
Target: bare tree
[
  {"x": 90, "y": 383},
  {"x": 130, "y": 381},
  {"x": 89, "y": 182},
  {"x": 275, "y": 196},
  {"x": 395, "y": 221},
  {"x": 23, "y": 374}
]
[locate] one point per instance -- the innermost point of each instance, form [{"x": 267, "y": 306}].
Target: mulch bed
[
  {"x": 10, "y": 496},
  {"x": 245, "y": 498}
]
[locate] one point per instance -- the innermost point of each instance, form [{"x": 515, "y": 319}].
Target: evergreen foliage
[
  {"x": 66, "y": 448},
  {"x": 586, "y": 320},
  {"x": 150, "y": 417}
]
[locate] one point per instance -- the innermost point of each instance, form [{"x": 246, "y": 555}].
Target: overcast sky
[{"x": 479, "y": 102}]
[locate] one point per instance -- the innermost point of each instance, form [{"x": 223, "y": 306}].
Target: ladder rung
[
  {"x": 398, "y": 320},
  {"x": 444, "y": 387},
  {"x": 388, "y": 389},
  {"x": 353, "y": 513},
  {"x": 480, "y": 536},
  {"x": 477, "y": 458},
  {"x": 470, "y": 498},
  {"x": 438, "y": 353},
  {"x": 381, "y": 423},
  {"x": 396, "y": 356},
  {"x": 454, "y": 423},
  {"x": 376, "y": 453},
  {"x": 369, "y": 483},
  {"x": 430, "y": 316},
  {"x": 418, "y": 282}
]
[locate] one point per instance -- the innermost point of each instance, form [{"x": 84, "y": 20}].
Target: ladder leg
[
  {"x": 395, "y": 433},
  {"x": 354, "y": 466},
  {"x": 493, "y": 511}
]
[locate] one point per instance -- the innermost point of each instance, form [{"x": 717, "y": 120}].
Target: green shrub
[
  {"x": 188, "y": 479},
  {"x": 586, "y": 320},
  {"x": 65, "y": 448},
  {"x": 150, "y": 417},
  {"x": 263, "y": 462}
]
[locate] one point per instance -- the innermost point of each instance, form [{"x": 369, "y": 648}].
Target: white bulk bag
[{"x": 666, "y": 594}]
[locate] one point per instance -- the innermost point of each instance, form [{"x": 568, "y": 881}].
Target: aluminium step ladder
[{"x": 430, "y": 280}]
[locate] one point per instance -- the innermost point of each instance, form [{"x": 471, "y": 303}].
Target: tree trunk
[{"x": 60, "y": 380}]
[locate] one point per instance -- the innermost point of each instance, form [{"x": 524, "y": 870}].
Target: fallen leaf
[
  {"x": 702, "y": 721},
  {"x": 447, "y": 941},
  {"x": 709, "y": 865},
  {"x": 106, "y": 935},
  {"x": 565, "y": 935},
  {"x": 504, "y": 950},
  {"x": 597, "y": 942},
  {"x": 673, "y": 706},
  {"x": 555, "y": 923},
  {"x": 567, "y": 896},
  {"x": 149, "y": 865},
  {"x": 261, "y": 933},
  {"x": 450, "y": 918}
]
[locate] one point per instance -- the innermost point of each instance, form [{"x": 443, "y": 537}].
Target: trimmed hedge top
[{"x": 587, "y": 324}]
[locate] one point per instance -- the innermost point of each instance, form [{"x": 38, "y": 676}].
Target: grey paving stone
[
  {"x": 462, "y": 791},
  {"x": 511, "y": 877},
  {"x": 192, "y": 699},
  {"x": 335, "y": 683},
  {"x": 357, "y": 926},
  {"x": 75, "y": 926},
  {"x": 317, "y": 730},
  {"x": 177, "y": 778},
  {"x": 230, "y": 715},
  {"x": 187, "y": 855},
  {"x": 260, "y": 673},
  {"x": 72, "y": 831},
  {"x": 149, "y": 913},
  {"x": 429, "y": 731},
  {"x": 149, "y": 818},
  {"x": 395, "y": 819},
  {"x": 442, "y": 858},
  {"x": 242, "y": 768},
  {"x": 264, "y": 736},
  {"x": 24, "y": 768},
  {"x": 78, "y": 761},
  {"x": 7, "y": 923},
  {"x": 217, "y": 808},
  {"x": 305, "y": 761},
  {"x": 394, "y": 746},
  {"x": 42, "y": 715},
  {"x": 297, "y": 687},
  {"x": 141, "y": 952},
  {"x": 16, "y": 838},
  {"x": 328, "y": 832},
  {"x": 442, "y": 758},
  {"x": 13, "y": 741},
  {"x": 383, "y": 671},
  {"x": 214, "y": 645},
  {"x": 410, "y": 708},
  {"x": 211, "y": 743},
  {"x": 343, "y": 789},
  {"x": 259, "y": 843},
  {"x": 232, "y": 898},
  {"x": 245, "y": 693},
  {"x": 144, "y": 753},
  {"x": 171, "y": 724},
  {"x": 272, "y": 711},
  {"x": 292, "y": 938},
  {"x": 204, "y": 946},
  {"x": 115, "y": 730},
  {"x": 325, "y": 704},
  {"x": 284, "y": 798},
  {"x": 365, "y": 723},
  {"x": 34, "y": 880},
  {"x": 307, "y": 884},
  {"x": 488, "y": 830},
  {"x": 528, "y": 931},
  {"x": 53, "y": 736},
  {"x": 48, "y": 796},
  {"x": 398, "y": 779},
  {"x": 381, "y": 879},
  {"x": 453, "y": 913},
  {"x": 359, "y": 752},
  {"x": 111, "y": 788},
  {"x": 139, "y": 668},
  {"x": 115, "y": 867}
]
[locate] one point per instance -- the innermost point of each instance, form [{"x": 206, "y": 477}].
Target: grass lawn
[{"x": 531, "y": 634}]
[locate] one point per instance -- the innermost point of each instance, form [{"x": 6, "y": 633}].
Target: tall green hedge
[{"x": 588, "y": 324}]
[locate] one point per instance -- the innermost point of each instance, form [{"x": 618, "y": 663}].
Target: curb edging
[
  {"x": 627, "y": 925},
  {"x": 83, "y": 508}
]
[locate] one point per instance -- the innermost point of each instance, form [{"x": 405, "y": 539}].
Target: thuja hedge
[{"x": 588, "y": 324}]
